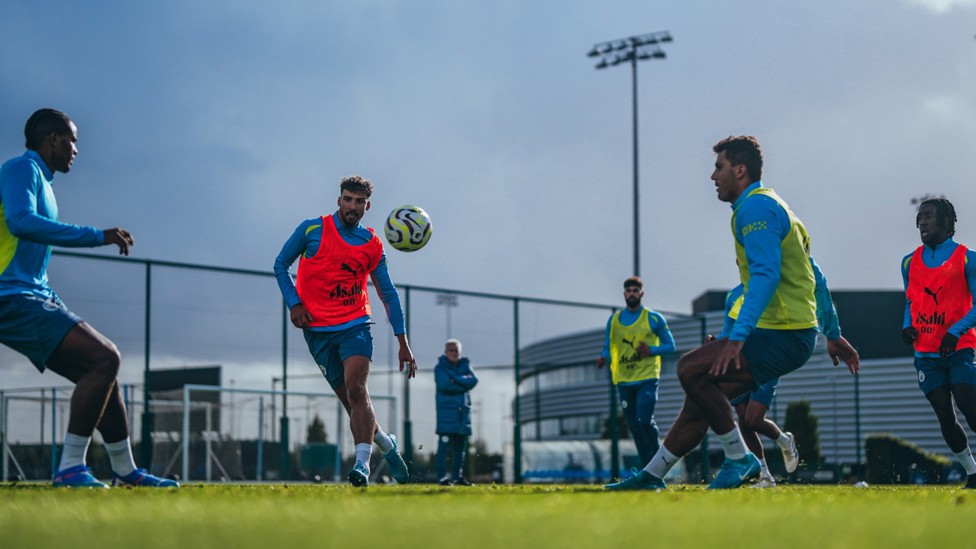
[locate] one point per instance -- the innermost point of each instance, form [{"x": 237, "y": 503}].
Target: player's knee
[
  {"x": 107, "y": 360},
  {"x": 689, "y": 373}
]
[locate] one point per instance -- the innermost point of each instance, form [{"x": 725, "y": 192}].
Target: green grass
[{"x": 278, "y": 516}]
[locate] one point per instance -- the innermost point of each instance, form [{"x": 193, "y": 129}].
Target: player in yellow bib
[
  {"x": 774, "y": 331},
  {"x": 636, "y": 337}
]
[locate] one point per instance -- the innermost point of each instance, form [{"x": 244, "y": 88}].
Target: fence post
[
  {"x": 284, "y": 466},
  {"x": 517, "y": 427},
  {"x": 407, "y": 423},
  {"x": 147, "y": 415},
  {"x": 3, "y": 436},
  {"x": 54, "y": 426}
]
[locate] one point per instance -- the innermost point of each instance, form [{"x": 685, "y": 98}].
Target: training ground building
[{"x": 564, "y": 400}]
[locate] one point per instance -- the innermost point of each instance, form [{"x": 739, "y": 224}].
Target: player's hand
[
  {"x": 643, "y": 350},
  {"x": 909, "y": 335},
  {"x": 300, "y": 317},
  {"x": 839, "y": 349},
  {"x": 119, "y": 237},
  {"x": 948, "y": 345},
  {"x": 729, "y": 355},
  {"x": 406, "y": 357},
  {"x": 600, "y": 363}
]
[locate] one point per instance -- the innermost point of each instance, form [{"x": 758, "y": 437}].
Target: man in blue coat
[{"x": 454, "y": 379}]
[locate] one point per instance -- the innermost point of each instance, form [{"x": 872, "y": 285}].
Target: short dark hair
[
  {"x": 945, "y": 213},
  {"x": 43, "y": 123},
  {"x": 634, "y": 281},
  {"x": 356, "y": 184},
  {"x": 743, "y": 150}
]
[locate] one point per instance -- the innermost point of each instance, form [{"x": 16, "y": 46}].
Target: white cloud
[{"x": 943, "y": 6}]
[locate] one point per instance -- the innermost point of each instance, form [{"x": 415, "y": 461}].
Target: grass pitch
[{"x": 278, "y": 515}]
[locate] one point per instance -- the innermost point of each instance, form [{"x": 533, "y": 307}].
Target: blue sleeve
[
  {"x": 467, "y": 380},
  {"x": 389, "y": 296},
  {"x": 293, "y": 248},
  {"x": 905, "y": 263},
  {"x": 19, "y": 190},
  {"x": 660, "y": 328},
  {"x": 605, "y": 352},
  {"x": 968, "y": 321},
  {"x": 826, "y": 313},
  {"x": 446, "y": 381},
  {"x": 768, "y": 224}
]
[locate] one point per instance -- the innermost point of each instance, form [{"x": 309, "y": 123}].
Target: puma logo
[
  {"x": 630, "y": 342},
  {"x": 935, "y": 295},
  {"x": 349, "y": 269}
]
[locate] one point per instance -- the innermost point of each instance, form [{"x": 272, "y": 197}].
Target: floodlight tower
[{"x": 632, "y": 49}]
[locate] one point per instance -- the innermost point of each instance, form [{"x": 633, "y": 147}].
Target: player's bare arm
[
  {"x": 406, "y": 356},
  {"x": 728, "y": 356},
  {"x": 121, "y": 238},
  {"x": 300, "y": 316},
  {"x": 840, "y": 349}
]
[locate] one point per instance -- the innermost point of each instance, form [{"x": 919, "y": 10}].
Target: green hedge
[{"x": 894, "y": 460}]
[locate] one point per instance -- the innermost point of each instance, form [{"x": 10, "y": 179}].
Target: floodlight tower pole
[
  {"x": 612, "y": 53},
  {"x": 633, "y": 49}
]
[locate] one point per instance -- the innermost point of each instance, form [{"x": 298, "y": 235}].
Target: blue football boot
[
  {"x": 78, "y": 476},
  {"x": 641, "y": 481},
  {"x": 398, "y": 467},
  {"x": 358, "y": 475},
  {"x": 142, "y": 477},
  {"x": 735, "y": 473}
]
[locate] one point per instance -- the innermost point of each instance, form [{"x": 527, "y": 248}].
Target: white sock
[
  {"x": 966, "y": 458},
  {"x": 363, "y": 453},
  {"x": 121, "y": 455},
  {"x": 732, "y": 443},
  {"x": 382, "y": 440},
  {"x": 662, "y": 462},
  {"x": 75, "y": 449},
  {"x": 783, "y": 441},
  {"x": 765, "y": 468}
]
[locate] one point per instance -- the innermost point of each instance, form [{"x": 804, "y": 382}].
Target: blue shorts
[
  {"x": 774, "y": 353},
  {"x": 935, "y": 372},
  {"x": 34, "y": 326},
  {"x": 331, "y": 349},
  {"x": 763, "y": 395}
]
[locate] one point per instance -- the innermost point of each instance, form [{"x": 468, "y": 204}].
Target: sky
[{"x": 211, "y": 130}]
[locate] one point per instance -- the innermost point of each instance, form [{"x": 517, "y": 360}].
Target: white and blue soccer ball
[{"x": 408, "y": 228}]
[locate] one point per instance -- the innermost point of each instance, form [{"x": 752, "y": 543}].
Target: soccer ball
[{"x": 408, "y": 228}]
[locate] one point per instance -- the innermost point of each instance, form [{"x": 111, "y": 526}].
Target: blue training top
[
  {"x": 29, "y": 227},
  {"x": 933, "y": 257},
  {"x": 305, "y": 240},
  {"x": 826, "y": 313}
]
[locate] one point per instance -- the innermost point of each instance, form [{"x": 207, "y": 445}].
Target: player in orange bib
[
  {"x": 940, "y": 285},
  {"x": 330, "y": 304}
]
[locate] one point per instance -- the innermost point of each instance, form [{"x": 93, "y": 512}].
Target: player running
[
  {"x": 331, "y": 305},
  {"x": 774, "y": 331},
  {"x": 36, "y": 323},
  {"x": 940, "y": 287}
]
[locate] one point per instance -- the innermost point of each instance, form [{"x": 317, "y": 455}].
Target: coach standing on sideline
[{"x": 34, "y": 321}]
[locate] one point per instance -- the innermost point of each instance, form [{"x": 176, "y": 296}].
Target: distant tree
[
  {"x": 316, "y": 430},
  {"x": 804, "y": 425}
]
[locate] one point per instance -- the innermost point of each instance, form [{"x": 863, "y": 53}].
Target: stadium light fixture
[{"x": 632, "y": 49}]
